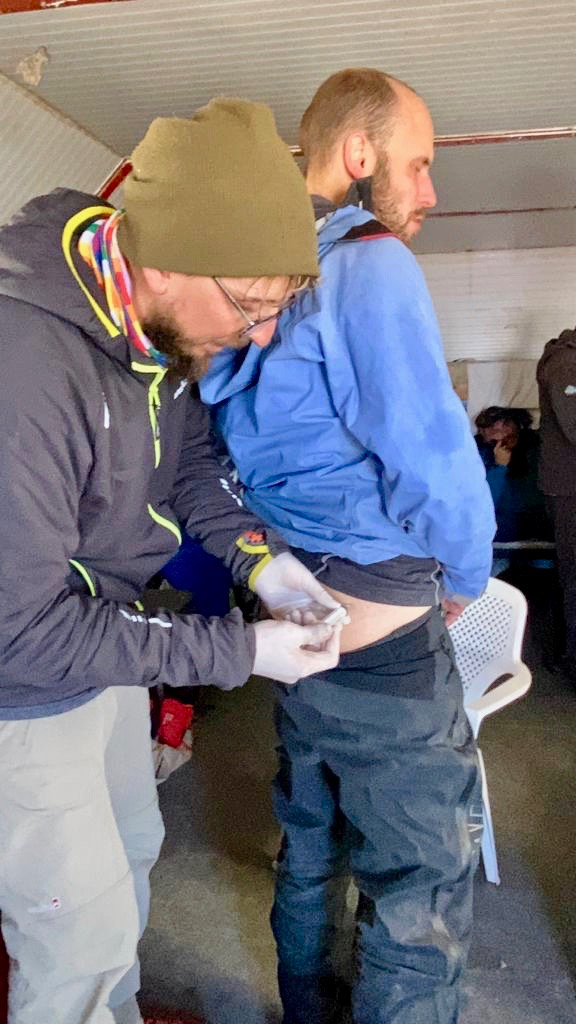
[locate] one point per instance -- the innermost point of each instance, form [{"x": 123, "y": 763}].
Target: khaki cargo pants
[{"x": 80, "y": 830}]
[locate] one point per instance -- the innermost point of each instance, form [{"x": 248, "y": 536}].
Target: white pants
[{"x": 80, "y": 830}]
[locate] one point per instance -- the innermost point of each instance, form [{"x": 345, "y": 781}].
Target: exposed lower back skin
[{"x": 372, "y": 621}]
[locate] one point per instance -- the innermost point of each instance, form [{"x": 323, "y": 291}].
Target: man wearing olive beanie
[
  {"x": 107, "y": 318},
  {"x": 201, "y": 188}
]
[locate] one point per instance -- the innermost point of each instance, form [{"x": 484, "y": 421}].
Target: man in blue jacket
[{"x": 350, "y": 441}]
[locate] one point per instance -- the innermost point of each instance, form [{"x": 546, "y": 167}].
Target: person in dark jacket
[
  {"x": 108, "y": 318},
  {"x": 509, "y": 449},
  {"x": 557, "y": 387}
]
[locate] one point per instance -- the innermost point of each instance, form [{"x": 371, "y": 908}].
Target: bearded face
[
  {"x": 395, "y": 201},
  {"x": 187, "y": 357}
]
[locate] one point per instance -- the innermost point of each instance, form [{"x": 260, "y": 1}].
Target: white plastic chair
[{"x": 487, "y": 640}]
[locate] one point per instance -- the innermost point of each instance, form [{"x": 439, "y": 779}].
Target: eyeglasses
[{"x": 252, "y": 325}]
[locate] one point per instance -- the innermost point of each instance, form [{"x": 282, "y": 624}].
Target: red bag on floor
[
  {"x": 172, "y": 746},
  {"x": 175, "y": 719}
]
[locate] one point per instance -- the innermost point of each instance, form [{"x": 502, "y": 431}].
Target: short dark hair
[
  {"x": 521, "y": 418},
  {"x": 489, "y": 416}
]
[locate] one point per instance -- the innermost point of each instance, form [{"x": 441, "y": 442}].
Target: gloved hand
[
  {"x": 288, "y": 589},
  {"x": 281, "y": 650}
]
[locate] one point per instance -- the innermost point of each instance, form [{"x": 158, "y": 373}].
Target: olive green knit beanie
[{"x": 218, "y": 194}]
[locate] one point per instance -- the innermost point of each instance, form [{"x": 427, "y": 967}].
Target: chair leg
[{"x": 488, "y": 844}]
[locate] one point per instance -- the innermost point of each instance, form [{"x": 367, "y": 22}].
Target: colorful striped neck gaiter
[{"x": 98, "y": 247}]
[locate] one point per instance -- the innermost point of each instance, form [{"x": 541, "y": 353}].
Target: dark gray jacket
[
  {"x": 557, "y": 387},
  {"x": 101, "y": 456}
]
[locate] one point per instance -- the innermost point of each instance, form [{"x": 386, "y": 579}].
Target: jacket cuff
[
  {"x": 224, "y": 657},
  {"x": 252, "y": 552}
]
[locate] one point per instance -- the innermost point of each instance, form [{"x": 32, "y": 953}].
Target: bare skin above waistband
[{"x": 372, "y": 621}]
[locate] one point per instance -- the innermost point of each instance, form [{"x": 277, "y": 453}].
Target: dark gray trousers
[{"x": 378, "y": 778}]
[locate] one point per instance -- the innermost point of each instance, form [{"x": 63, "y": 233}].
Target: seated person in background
[{"x": 509, "y": 450}]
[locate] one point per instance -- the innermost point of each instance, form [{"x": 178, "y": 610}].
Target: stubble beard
[{"x": 386, "y": 206}]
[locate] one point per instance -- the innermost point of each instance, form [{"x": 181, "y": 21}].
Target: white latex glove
[
  {"x": 281, "y": 650},
  {"x": 288, "y": 589}
]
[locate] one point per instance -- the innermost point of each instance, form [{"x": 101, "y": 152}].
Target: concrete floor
[{"x": 208, "y": 950}]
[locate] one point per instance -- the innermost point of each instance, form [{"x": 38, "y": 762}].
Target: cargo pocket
[{"x": 62, "y": 843}]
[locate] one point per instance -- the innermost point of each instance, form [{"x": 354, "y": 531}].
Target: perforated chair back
[
  {"x": 487, "y": 640},
  {"x": 487, "y": 637}
]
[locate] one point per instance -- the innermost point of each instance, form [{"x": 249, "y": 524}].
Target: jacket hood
[
  {"x": 40, "y": 265},
  {"x": 565, "y": 341},
  {"x": 338, "y": 224},
  {"x": 231, "y": 373}
]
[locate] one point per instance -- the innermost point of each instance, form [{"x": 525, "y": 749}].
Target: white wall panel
[
  {"x": 41, "y": 150},
  {"x": 502, "y": 305},
  {"x": 533, "y": 181},
  {"x": 548, "y": 229}
]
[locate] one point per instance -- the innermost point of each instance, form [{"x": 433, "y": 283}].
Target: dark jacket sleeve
[
  {"x": 208, "y": 504},
  {"x": 560, "y": 382},
  {"x": 51, "y": 638}
]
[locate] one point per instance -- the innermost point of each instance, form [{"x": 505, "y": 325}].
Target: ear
[
  {"x": 360, "y": 157},
  {"x": 157, "y": 281}
]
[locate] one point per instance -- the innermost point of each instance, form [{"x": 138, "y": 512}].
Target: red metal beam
[
  {"x": 20, "y": 6},
  {"x": 114, "y": 179},
  {"x": 490, "y": 138}
]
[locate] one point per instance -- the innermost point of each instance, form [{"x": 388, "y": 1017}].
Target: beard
[
  {"x": 165, "y": 336},
  {"x": 386, "y": 205}
]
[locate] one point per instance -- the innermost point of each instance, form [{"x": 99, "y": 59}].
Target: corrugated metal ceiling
[{"x": 483, "y": 65}]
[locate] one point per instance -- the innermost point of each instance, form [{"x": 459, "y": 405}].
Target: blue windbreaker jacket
[{"x": 346, "y": 430}]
